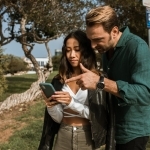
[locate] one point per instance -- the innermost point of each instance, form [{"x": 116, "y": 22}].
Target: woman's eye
[
  {"x": 67, "y": 50},
  {"x": 77, "y": 49}
]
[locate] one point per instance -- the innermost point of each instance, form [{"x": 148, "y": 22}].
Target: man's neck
[{"x": 117, "y": 38}]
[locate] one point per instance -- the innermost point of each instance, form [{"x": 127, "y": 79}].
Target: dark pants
[{"x": 136, "y": 144}]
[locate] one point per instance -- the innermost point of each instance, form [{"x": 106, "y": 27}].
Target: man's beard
[{"x": 101, "y": 49}]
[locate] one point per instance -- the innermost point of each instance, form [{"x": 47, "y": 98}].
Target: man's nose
[{"x": 93, "y": 45}]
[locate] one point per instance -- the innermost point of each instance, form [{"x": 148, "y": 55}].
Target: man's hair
[{"x": 103, "y": 15}]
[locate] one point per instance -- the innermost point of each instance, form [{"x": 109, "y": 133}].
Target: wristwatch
[{"x": 100, "y": 84}]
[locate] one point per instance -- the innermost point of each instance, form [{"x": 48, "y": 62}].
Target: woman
[{"x": 79, "y": 116}]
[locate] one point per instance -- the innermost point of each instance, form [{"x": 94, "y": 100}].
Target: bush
[
  {"x": 3, "y": 84},
  {"x": 15, "y": 64},
  {"x": 56, "y": 62}
]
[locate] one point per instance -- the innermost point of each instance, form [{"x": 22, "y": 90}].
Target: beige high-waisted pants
[{"x": 74, "y": 138}]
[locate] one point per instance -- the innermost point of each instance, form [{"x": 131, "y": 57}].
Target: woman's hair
[
  {"x": 88, "y": 57},
  {"x": 103, "y": 15}
]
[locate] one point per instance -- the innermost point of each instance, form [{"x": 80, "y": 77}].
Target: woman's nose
[{"x": 72, "y": 54}]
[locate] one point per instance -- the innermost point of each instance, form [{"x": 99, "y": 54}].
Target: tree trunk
[
  {"x": 16, "y": 99},
  {"x": 34, "y": 90},
  {"x": 49, "y": 67}
]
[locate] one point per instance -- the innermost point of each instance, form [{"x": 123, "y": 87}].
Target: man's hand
[{"x": 87, "y": 80}]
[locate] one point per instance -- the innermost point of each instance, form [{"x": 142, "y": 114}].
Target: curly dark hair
[{"x": 88, "y": 56}]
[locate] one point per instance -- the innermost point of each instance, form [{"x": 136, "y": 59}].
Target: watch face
[{"x": 100, "y": 85}]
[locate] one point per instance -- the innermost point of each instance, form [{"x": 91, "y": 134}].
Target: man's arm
[
  {"x": 89, "y": 80},
  {"x": 111, "y": 87}
]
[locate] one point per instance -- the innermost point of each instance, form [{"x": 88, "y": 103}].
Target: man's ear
[{"x": 114, "y": 32}]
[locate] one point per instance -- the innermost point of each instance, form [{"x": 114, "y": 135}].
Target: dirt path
[{"x": 8, "y": 123}]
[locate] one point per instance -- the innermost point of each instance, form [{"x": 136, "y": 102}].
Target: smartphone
[{"x": 47, "y": 88}]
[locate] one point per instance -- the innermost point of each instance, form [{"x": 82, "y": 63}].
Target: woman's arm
[
  {"x": 82, "y": 109},
  {"x": 69, "y": 102},
  {"x": 56, "y": 112}
]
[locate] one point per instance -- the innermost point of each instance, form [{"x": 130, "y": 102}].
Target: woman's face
[{"x": 73, "y": 52}]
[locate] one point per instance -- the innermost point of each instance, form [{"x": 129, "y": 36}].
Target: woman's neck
[{"x": 76, "y": 71}]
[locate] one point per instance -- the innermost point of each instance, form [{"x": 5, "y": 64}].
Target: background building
[
  {"x": 42, "y": 61},
  {"x": 57, "y": 52}
]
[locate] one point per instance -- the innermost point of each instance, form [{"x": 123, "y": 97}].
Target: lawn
[
  {"x": 18, "y": 84},
  {"x": 26, "y": 125},
  {"x": 26, "y": 138}
]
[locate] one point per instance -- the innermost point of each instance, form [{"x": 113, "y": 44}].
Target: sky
[{"x": 39, "y": 50}]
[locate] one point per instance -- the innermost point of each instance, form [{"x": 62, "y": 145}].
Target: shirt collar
[{"x": 125, "y": 31}]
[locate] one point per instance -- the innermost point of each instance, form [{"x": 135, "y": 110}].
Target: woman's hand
[
  {"x": 62, "y": 97},
  {"x": 49, "y": 101}
]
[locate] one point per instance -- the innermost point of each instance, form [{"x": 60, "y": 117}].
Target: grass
[
  {"x": 18, "y": 84},
  {"x": 29, "y": 136}
]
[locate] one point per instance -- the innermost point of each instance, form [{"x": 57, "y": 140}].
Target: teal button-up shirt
[{"x": 130, "y": 68}]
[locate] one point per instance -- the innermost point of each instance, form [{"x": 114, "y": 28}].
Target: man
[{"x": 126, "y": 60}]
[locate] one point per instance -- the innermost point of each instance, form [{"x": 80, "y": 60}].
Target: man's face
[{"x": 100, "y": 39}]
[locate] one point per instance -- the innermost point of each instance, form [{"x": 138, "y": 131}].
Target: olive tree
[
  {"x": 132, "y": 14},
  {"x": 29, "y": 22}
]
